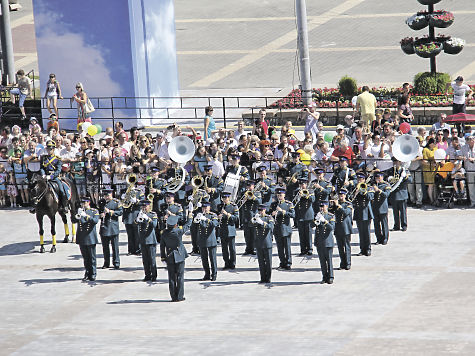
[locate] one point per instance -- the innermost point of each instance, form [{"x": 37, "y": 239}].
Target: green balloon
[
  {"x": 99, "y": 128},
  {"x": 329, "y": 136}
]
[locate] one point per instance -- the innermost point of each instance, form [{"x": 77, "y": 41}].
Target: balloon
[
  {"x": 85, "y": 126},
  {"x": 329, "y": 136},
  {"x": 405, "y": 127},
  {"x": 440, "y": 154},
  {"x": 92, "y": 130},
  {"x": 99, "y": 128},
  {"x": 305, "y": 158}
]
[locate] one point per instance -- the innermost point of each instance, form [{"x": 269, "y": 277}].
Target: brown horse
[{"x": 43, "y": 195}]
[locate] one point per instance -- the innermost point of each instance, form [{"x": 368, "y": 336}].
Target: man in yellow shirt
[{"x": 366, "y": 104}]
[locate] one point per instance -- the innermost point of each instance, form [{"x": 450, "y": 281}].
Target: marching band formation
[{"x": 265, "y": 209}]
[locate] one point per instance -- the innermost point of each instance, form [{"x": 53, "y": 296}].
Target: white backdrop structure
[{"x": 116, "y": 48}]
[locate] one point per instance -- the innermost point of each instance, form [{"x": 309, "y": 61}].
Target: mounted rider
[{"x": 50, "y": 170}]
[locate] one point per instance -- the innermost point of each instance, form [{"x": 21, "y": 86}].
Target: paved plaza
[
  {"x": 251, "y": 45},
  {"x": 411, "y": 297}
]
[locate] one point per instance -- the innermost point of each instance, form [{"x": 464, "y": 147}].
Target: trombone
[
  {"x": 304, "y": 193},
  {"x": 248, "y": 195},
  {"x": 294, "y": 176},
  {"x": 361, "y": 188}
]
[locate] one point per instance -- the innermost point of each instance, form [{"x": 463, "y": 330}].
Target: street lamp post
[
  {"x": 304, "y": 56},
  {"x": 7, "y": 44}
]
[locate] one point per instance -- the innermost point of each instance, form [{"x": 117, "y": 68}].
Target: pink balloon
[{"x": 405, "y": 127}]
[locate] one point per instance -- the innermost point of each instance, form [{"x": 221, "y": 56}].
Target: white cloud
[{"x": 73, "y": 60}]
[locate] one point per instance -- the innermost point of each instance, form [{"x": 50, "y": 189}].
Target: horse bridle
[{"x": 41, "y": 195}]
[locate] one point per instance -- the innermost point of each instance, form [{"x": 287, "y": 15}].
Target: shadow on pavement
[
  {"x": 30, "y": 282},
  {"x": 140, "y": 301},
  {"x": 20, "y": 248}
]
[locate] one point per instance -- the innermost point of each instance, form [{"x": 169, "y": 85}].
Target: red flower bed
[{"x": 386, "y": 97}]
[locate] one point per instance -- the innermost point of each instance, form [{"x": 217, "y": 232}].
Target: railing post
[
  {"x": 224, "y": 112},
  {"x": 113, "y": 114}
]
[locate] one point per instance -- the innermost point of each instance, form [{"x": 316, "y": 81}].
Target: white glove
[
  {"x": 48, "y": 177},
  {"x": 198, "y": 205},
  {"x": 190, "y": 198},
  {"x": 190, "y": 206},
  {"x": 146, "y": 217},
  {"x": 203, "y": 217},
  {"x": 259, "y": 220},
  {"x": 133, "y": 200},
  {"x": 122, "y": 197}
]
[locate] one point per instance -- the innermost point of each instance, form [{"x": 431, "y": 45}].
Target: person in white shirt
[
  {"x": 68, "y": 153},
  {"x": 381, "y": 151},
  {"x": 440, "y": 125},
  {"x": 240, "y": 131},
  {"x": 468, "y": 152},
  {"x": 311, "y": 120},
  {"x": 460, "y": 90},
  {"x": 123, "y": 143}
]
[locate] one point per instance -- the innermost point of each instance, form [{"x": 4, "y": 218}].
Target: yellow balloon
[
  {"x": 92, "y": 130},
  {"x": 305, "y": 158}
]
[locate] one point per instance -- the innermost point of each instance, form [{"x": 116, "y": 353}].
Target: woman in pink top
[{"x": 441, "y": 141}]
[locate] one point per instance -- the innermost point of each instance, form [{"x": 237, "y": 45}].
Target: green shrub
[
  {"x": 428, "y": 83},
  {"x": 347, "y": 86}
]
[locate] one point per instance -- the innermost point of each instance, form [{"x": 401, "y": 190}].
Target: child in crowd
[
  {"x": 3, "y": 187},
  {"x": 34, "y": 127},
  {"x": 11, "y": 190},
  {"x": 53, "y": 122}
]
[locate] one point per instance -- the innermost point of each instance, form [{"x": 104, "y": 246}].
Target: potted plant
[
  {"x": 407, "y": 45},
  {"x": 428, "y": 2},
  {"x": 441, "y": 19},
  {"x": 454, "y": 45},
  {"x": 417, "y": 21},
  {"x": 428, "y": 50},
  {"x": 442, "y": 38}
]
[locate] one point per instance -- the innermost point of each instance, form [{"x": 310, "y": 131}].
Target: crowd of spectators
[{"x": 106, "y": 161}]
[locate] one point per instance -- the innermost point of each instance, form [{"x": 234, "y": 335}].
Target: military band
[{"x": 323, "y": 211}]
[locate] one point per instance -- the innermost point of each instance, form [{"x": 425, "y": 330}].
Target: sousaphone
[{"x": 181, "y": 149}]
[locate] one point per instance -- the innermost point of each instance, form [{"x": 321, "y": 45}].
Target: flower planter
[
  {"x": 417, "y": 22},
  {"x": 428, "y": 2},
  {"x": 429, "y": 54},
  {"x": 453, "y": 49},
  {"x": 440, "y": 23},
  {"x": 408, "y": 48}
]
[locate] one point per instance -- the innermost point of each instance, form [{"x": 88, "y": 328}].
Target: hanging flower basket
[
  {"x": 428, "y": 2},
  {"x": 417, "y": 22},
  {"x": 454, "y": 45},
  {"x": 407, "y": 45},
  {"x": 441, "y": 19},
  {"x": 428, "y": 50}
]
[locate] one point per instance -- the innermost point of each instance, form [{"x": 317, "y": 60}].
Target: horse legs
[
  {"x": 64, "y": 217},
  {"x": 53, "y": 233},
  {"x": 39, "y": 218}
]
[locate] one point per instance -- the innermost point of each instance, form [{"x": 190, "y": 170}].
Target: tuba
[
  {"x": 405, "y": 149},
  {"x": 129, "y": 195},
  {"x": 181, "y": 149}
]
